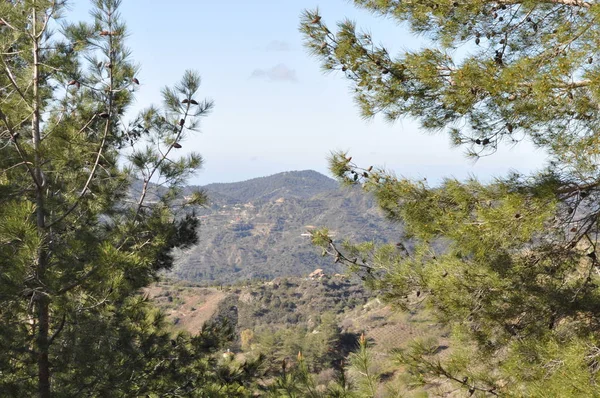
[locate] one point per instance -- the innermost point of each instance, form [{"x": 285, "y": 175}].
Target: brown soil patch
[{"x": 187, "y": 307}]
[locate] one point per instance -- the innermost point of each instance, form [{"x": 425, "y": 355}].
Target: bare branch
[
  {"x": 5, "y": 23},
  {"x": 58, "y": 330},
  {"x": 13, "y": 136},
  {"x": 13, "y": 81},
  {"x": 46, "y": 20}
]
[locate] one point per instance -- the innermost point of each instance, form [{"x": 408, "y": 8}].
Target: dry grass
[{"x": 189, "y": 308}]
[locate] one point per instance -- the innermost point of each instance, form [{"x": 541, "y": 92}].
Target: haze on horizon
[{"x": 275, "y": 110}]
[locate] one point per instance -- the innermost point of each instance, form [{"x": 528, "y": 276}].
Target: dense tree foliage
[
  {"x": 358, "y": 379},
  {"x": 83, "y": 225},
  {"x": 510, "y": 266}
]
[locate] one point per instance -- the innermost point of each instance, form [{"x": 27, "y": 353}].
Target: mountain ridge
[
  {"x": 255, "y": 229},
  {"x": 285, "y": 184}
]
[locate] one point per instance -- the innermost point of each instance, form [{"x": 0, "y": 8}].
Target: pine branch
[
  {"x": 574, "y": 3},
  {"x": 161, "y": 160},
  {"x": 91, "y": 175}
]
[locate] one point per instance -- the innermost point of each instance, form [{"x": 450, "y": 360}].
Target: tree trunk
[
  {"x": 41, "y": 299},
  {"x": 43, "y": 348}
]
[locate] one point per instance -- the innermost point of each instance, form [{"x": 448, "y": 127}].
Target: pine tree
[
  {"x": 509, "y": 266},
  {"x": 89, "y": 213},
  {"x": 295, "y": 379}
]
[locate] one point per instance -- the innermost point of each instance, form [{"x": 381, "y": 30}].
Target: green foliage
[
  {"x": 298, "y": 302},
  {"x": 361, "y": 362},
  {"x": 511, "y": 265},
  {"x": 82, "y": 225},
  {"x": 142, "y": 357},
  {"x": 296, "y": 380},
  {"x": 488, "y": 95},
  {"x": 321, "y": 347}
]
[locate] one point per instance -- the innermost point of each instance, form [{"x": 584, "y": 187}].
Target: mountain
[
  {"x": 289, "y": 184},
  {"x": 256, "y": 229}
]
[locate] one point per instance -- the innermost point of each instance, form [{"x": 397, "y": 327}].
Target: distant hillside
[
  {"x": 254, "y": 229},
  {"x": 280, "y": 303},
  {"x": 320, "y": 317},
  {"x": 291, "y": 184}
]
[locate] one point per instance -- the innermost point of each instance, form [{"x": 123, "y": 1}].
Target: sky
[{"x": 275, "y": 110}]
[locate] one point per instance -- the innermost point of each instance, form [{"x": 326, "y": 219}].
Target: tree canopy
[
  {"x": 88, "y": 214},
  {"x": 510, "y": 266}
]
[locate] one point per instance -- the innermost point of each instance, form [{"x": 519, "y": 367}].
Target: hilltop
[{"x": 289, "y": 184}]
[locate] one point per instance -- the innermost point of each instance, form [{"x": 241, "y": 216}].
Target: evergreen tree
[
  {"x": 509, "y": 266},
  {"x": 88, "y": 215},
  {"x": 295, "y": 379}
]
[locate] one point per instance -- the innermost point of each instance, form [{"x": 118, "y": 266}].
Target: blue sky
[{"x": 275, "y": 110}]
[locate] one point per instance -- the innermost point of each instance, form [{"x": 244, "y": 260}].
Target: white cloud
[{"x": 277, "y": 73}]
